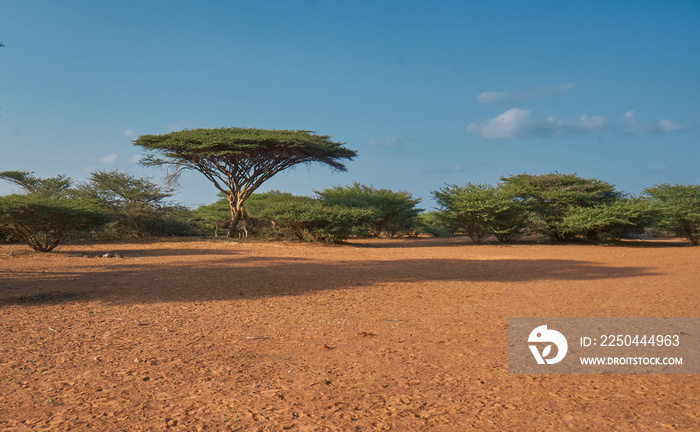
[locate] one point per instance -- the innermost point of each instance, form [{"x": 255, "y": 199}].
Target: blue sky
[{"x": 428, "y": 93}]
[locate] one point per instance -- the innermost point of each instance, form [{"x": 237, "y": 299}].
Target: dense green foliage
[
  {"x": 679, "y": 207},
  {"x": 366, "y": 210},
  {"x": 47, "y": 212},
  {"x": 481, "y": 210},
  {"x": 563, "y": 206},
  {"x": 238, "y": 160},
  {"x": 256, "y": 206},
  {"x": 43, "y": 222},
  {"x": 551, "y": 196},
  {"x": 392, "y": 213},
  {"x": 433, "y": 223},
  {"x": 309, "y": 219},
  {"x": 136, "y": 204},
  {"x": 615, "y": 220}
]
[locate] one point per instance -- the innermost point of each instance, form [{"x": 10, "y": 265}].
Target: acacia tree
[
  {"x": 482, "y": 210},
  {"x": 552, "y": 195},
  {"x": 239, "y": 160},
  {"x": 47, "y": 211},
  {"x": 680, "y": 208},
  {"x": 133, "y": 201}
]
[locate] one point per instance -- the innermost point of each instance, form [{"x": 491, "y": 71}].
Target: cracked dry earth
[{"x": 373, "y": 335}]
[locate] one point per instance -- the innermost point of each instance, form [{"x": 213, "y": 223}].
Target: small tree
[
  {"x": 392, "y": 212},
  {"x": 680, "y": 208},
  {"x": 238, "y": 160},
  {"x": 43, "y": 216},
  {"x": 481, "y": 210},
  {"x": 134, "y": 202},
  {"x": 552, "y": 195}
]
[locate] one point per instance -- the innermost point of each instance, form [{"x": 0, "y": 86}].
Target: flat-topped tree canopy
[{"x": 239, "y": 160}]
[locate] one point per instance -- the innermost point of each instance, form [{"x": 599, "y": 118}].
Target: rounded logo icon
[{"x": 542, "y": 334}]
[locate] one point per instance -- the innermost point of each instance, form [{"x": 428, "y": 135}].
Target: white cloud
[
  {"x": 520, "y": 96},
  {"x": 517, "y": 122},
  {"x": 491, "y": 97},
  {"x": 585, "y": 123},
  {"x": 129, "y": 133},
  {"x": 631, "y": 125},
  {"x": 670, "y": 126},
  {"x": 109, "y": 159},
  {"x": 512, "y": 123},
  {"x": 136, "y": 158}
]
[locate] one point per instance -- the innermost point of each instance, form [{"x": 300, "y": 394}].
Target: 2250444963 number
[{"x": 636, "y": 340}]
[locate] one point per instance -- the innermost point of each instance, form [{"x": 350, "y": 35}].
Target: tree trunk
[{"x": 235, "y": 215}]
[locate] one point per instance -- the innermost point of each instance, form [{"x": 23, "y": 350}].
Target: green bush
[
  {"x": 679, "y": 208},
  {"x": 611, "y": 221},
  {"x": 173, "y": 221},
  {"x": 391, "y": 213},
  {"x": 481, "y": 210},
  {"x": 433, "y": 223},
  {"x": 48, "y": 212},
  {"x": 43, "y": 222},
  {"x": 552, "y": 196},
  {"x": 136, "y": 204},
  {"x": 256, "y": 206},
  {"x": 258, "y": 203},
  {"x": 311, "y": 220}
]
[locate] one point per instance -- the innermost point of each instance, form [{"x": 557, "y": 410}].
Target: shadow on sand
[{"x": 230, "y": 275}]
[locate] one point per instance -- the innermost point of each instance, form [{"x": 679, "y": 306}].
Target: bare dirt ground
[{"x": 375, "y": 335}]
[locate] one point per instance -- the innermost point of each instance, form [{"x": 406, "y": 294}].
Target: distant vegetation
[{"x": 562, "y": 207}]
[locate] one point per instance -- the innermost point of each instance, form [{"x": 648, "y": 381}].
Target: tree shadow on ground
[
  {"x": 465, "y": 241},
  {"x": 142, "y": 253},
  {"x": 237, "y": 276}
]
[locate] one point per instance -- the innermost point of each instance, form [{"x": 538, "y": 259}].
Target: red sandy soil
[{"x": 373, "y": 335}]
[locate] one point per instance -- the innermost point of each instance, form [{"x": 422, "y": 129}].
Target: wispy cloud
[
  {"x": 110, "y": 159},
  {"x": 520, "y": 96},
  {"x": 136, "y": 158},
  {"x": 516, "y": 123},
  {"x": 669, "y": 164},
  {"x": 129, "y": 133},
  {"x": 387, "y": 141},
  {"x": 630, "y": 124},
  {"x": 390, "y": 141}
]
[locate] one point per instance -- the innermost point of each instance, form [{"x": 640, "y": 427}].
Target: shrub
[
  {"x": 173, "y": 221},
  {"x": 551, "y": 196},
  {"x": 259, "y": 203},
  {"x": 43, "y": 222},
  {"x": 679, "y": 207},
  {"x": 136, "y": 204},
  {"x": 257, "y": 206},
  {"x": 311, "y": 220},
  {"x": 392, "y": 213},
  {"x": 481, "y": 210},
  {"x": 610, "y": 221},
  {"x": 47, "y": 212},
  {"x": 433, "y": 223}
]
